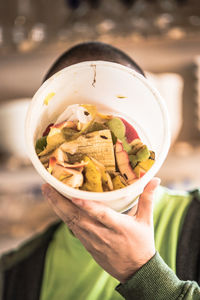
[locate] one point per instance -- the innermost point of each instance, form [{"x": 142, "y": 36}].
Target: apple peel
[{"x": 123, "y": 163}]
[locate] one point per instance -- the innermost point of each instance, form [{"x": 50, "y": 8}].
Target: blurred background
[{"x": 162, "y": 36}]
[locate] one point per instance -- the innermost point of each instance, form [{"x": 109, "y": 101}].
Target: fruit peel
[
  {"x": 92, "y": 176},
  {"x": 123, "y": 163},
  {"x": 117, "y": 183}
]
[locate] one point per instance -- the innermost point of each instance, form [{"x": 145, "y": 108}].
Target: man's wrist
[{"x": 125, "y": 277}]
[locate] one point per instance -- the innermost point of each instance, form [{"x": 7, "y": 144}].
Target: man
[
  {"x": 123, "y": 245},
  {"x": 55, "y": 265}
]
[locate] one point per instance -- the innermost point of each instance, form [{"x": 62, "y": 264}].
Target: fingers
[
  {"x": 145, "y": 205},
  {"x": 79, "y": 212},
  {"x": 99, "y": 212},
  {"x": 70, "y": 210},
  {"x": 62, "y": 206}
]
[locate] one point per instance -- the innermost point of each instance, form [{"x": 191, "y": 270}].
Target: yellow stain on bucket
[
  {"x": 121, "y": 97},
  {"x": 48, "y": 98}
]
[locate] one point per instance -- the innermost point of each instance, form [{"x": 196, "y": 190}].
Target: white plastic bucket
[{"x": 114, "y": 89}]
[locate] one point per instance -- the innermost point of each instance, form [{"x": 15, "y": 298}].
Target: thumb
[{"x": 145, "y": 204}]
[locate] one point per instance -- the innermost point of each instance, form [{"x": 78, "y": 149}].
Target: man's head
[{"x": 92, "y": 51}]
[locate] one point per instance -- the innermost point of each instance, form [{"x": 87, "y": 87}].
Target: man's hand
[{"x": 120, "y": 243}]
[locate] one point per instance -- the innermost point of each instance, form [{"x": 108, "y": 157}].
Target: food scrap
[{"x": 91, "y": 151}]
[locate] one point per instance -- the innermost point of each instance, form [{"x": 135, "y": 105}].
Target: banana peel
[
  {"x": 54, "y": 139},
  {"x": 147, "y": 164},
  {"x": 57, "y": 136},
  {"x": 143, "y": 167},
  {"x": 93, "y": 182},
  {"x": 97, "y": 144},
  {"x": 117, "y": 183},
  {"x": 104, "y": 117},
  {"x": 105, "y": 176}
]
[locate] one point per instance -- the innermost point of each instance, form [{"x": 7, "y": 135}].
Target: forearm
[{"x": 156, "y": 281}]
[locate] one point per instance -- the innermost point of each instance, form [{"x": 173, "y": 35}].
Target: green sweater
[{"x": 156, "y": 281}]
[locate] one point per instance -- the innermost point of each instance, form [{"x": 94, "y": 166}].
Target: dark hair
[{"x": 92, "y": 51}]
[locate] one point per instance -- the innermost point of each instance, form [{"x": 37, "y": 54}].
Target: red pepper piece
[{"x": 131, "y": 133}]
